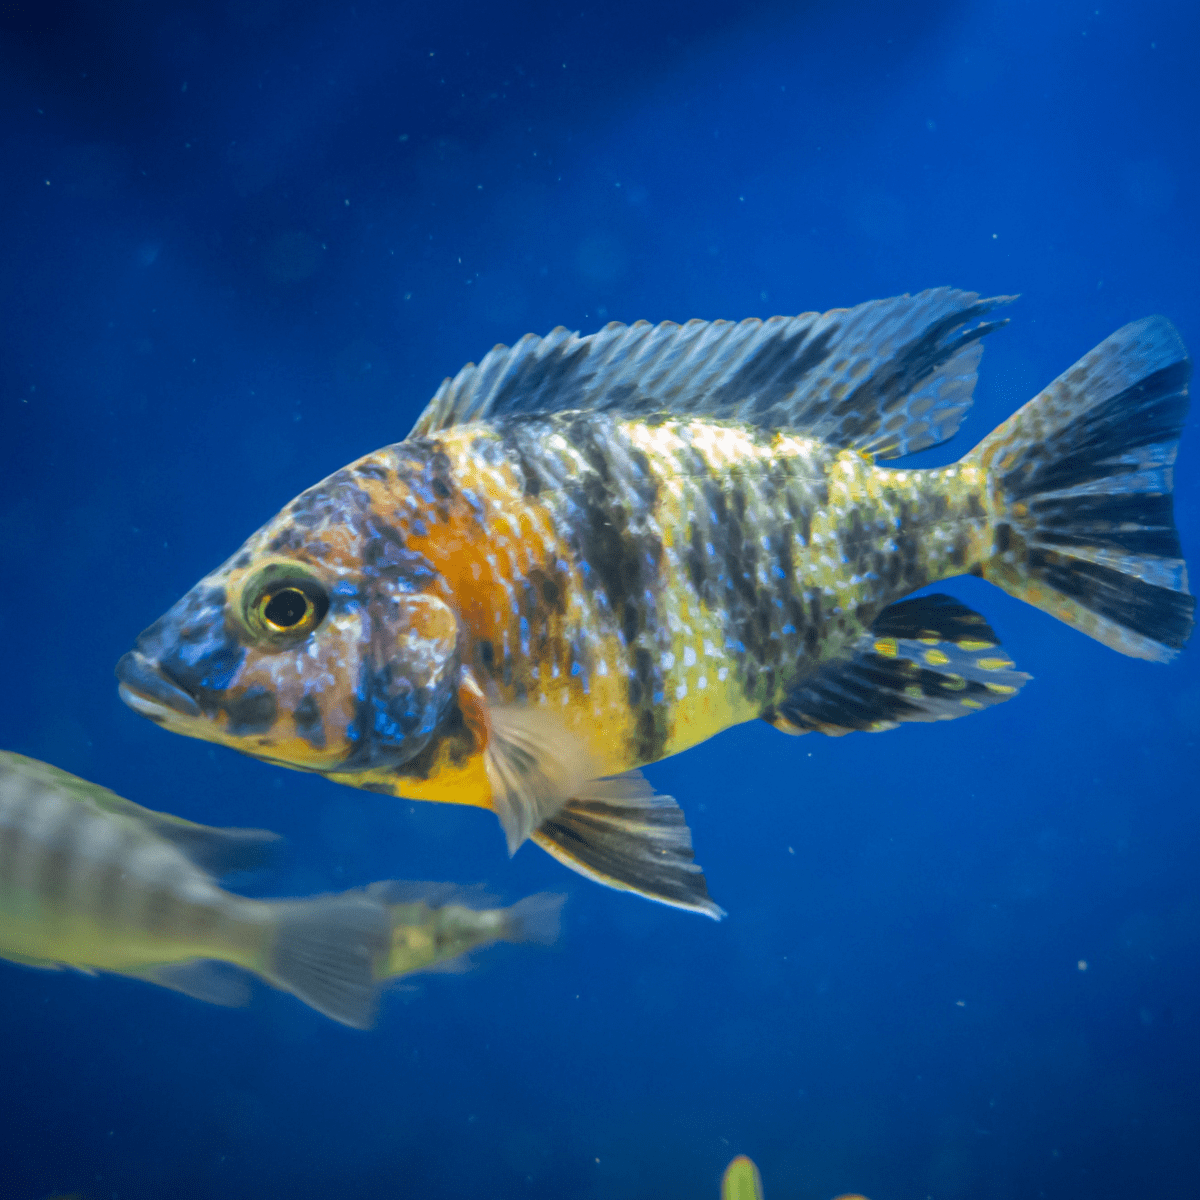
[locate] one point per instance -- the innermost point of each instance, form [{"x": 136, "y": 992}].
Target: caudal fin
[
  {"x": 536, "y": 919},
  {"x": 325, "y": 953},
  {"x": 1082, "y": 477}
]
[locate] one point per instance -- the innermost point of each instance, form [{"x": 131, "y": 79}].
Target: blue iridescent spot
[{"x": 222, "y": 668}]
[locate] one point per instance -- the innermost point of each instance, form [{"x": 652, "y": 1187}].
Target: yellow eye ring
[
  {"x": 287, "y": 610},
  {"x": 284, "y": 604}
]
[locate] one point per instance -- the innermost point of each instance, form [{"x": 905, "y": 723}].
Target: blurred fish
[
  {"x": 741, "y": 1180},
  {"x": 593, "y": 552},
  {"x": 437, "y": 929},
  {"x": 92, "y": 881}
]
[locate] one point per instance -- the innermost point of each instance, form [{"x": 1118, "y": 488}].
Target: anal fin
[
  {"x": 619, "y": 833},
  {"x": 929, "y": 658},
  {"x": 202, "y": 979}
]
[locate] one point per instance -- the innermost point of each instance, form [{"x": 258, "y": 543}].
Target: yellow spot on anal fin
[
  {"x": 969, "y": 645},
  {"x": 914, "y": 691},
  {"x": 1001, "y": 689},
  {"x": 955, "y": 683},
  {"x": 929, "y": 638},
  {"x": 887, "y": 647},
  {"x": 970, "y": 704},
  {"x": 993, "y": 664},
  {"x": 935, "y": 658}
]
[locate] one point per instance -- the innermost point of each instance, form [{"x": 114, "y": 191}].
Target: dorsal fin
[
  {"x": 887, "y": 377},
  {"x": 217, "y": 851}
]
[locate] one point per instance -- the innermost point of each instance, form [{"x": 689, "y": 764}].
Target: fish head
[{"x": 323, "y": 644}]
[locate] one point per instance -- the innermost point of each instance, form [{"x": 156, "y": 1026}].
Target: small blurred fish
[
  {"x": 93, "y": 881},
  {"x": 434, "y": 926},
  {"x": 741, "y": 1180}
]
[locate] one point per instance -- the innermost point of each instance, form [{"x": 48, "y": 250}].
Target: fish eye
[{"x": 287, "y": 607}]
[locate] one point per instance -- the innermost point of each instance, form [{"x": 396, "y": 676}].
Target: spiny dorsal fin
[
  {"x": 619, "y": 833},
  {"x": 887, "y": 377},
  {"x": 926, "y": 659}
]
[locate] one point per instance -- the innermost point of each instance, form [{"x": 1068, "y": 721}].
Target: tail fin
[
  {"x": 535, "y": 919},
  {"x": 325, "y": 953},
  {"x": 1082, "y": 478}
]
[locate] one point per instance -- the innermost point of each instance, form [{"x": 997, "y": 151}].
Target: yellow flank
[
  {"x": 449, "y": 782},
  {"x": 493, "y": 546}
]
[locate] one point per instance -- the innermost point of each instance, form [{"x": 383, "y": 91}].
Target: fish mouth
[{"x": 147, "y": 690}]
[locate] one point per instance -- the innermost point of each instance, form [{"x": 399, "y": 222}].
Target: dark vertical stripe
[{"x": 60, "y": 844}]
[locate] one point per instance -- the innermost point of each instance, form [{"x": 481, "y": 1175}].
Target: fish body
[
  {"x": 92, "y": 881},
  {"x": 439, "y": 930},
  {"x": 593, "y": 553}
]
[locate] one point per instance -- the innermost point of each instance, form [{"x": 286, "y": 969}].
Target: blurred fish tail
[
  {"x": 536, "y": 919},
  {"x": 325, "y": 952},
  {"x": 1081, "y": 480}
]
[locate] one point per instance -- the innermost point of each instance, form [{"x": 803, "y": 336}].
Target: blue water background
[{"x": 243, "y": 244}]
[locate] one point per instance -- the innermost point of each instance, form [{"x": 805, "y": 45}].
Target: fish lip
[{"x": 145, "y": 687}]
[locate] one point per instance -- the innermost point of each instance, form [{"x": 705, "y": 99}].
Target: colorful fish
[
  {"x": 93, "y": 881},
  {"x": 594, "y": 552}
]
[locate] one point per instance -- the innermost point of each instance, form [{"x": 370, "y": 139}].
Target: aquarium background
[{"x": 242, "y": 245}]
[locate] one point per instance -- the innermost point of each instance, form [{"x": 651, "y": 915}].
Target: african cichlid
[
  {"x": 93, "y": 881},
  {"x": 435, "y": 925},
  {"x": 593, "y": 552}
]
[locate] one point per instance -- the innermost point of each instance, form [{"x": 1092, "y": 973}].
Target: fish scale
[{"x": 755, "y": 601}]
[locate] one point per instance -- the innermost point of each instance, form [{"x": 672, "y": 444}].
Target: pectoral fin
[
  {"x": 534, "y": 765},
  {"x": 619, "y": 833}
]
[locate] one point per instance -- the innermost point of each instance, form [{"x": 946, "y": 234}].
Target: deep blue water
[{"x": 243, "y": 243}]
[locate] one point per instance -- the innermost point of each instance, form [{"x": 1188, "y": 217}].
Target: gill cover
[{"x": 408, "y": 680}]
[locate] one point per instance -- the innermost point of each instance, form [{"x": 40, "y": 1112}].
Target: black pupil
[{"x": 286, "y": 608}]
